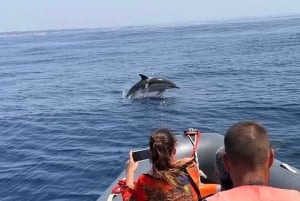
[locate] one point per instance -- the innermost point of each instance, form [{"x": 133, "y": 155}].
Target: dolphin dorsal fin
[{"x": 143, "y": 77}]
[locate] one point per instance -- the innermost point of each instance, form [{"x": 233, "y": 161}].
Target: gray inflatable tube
[{"x": 282, "y": 174}]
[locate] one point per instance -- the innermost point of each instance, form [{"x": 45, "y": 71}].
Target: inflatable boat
[{"x": 282, "y": 174}]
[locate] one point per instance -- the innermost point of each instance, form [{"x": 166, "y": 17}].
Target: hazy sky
[{"x": 26, "y": 15}]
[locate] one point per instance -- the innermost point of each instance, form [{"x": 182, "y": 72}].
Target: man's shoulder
[
  {"x": 258, "y": 191},
  {"x": 286, "y": 191}
]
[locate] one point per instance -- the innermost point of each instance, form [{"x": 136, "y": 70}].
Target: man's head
[{"x": 248, "y": 151}]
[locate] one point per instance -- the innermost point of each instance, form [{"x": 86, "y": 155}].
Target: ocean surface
[{"x": 66, "y": 127}]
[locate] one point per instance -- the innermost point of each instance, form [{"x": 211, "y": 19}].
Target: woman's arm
[
  {"x": 128, "y": 189},
  {"x": 131, "y": 167}
]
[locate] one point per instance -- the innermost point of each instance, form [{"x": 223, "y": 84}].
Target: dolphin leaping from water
[{"x": 149, "y": 87}]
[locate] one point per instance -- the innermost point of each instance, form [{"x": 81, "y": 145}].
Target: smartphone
[{"x": 140, "y": 155}]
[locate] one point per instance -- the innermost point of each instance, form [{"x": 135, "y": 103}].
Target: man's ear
[
  {"x": 271, "y": 157},
  {"x": 226, "y": 163}
]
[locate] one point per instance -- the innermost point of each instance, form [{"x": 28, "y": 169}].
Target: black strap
[{"x": 193, "y": 184}]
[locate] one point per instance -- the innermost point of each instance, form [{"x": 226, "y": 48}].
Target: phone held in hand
[{"x": 140, "y": 155}]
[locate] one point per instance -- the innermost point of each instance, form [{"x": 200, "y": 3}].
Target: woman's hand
[{"x": 131, "y": 167}]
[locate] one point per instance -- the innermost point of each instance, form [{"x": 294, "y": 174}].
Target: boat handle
[{"x": 288, "y": 167}]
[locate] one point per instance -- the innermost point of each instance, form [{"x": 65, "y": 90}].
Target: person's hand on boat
[{"x": 131, "y": 167}]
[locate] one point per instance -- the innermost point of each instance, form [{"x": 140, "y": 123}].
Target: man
[{"x": 248, "y": 160}]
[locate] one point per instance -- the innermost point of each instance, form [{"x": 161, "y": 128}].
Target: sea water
[{"x": 66, "y": 127}]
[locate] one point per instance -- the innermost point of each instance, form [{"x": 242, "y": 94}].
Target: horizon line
[{"x": 163, "y": 24}]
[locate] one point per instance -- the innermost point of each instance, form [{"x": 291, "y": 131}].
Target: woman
[{"x": 168, "y": 179}]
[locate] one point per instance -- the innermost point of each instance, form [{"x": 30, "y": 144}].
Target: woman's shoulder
[
  {"x": 147, "y": 180},
  {"x": 184, "y": 162}
]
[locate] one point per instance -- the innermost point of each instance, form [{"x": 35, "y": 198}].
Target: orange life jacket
[
  {"x": 204, "y": 189},
  {"x": 256, "y": 193}
]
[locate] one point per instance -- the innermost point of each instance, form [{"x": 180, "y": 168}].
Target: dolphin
[{"x": 149, "y": 86}]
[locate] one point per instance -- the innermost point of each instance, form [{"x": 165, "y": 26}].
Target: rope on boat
[
  {"x": 111, "y": 197},
  {"x": 195, "y": 133}
]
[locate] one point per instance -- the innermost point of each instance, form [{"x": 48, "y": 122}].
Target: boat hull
[{"x": 282, "y": 174}]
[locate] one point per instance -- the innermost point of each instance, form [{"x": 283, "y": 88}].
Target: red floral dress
[{"x": 148, "y": 188}]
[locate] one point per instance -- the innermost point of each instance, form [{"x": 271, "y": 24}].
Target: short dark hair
[{"x": 247, "y": 143}]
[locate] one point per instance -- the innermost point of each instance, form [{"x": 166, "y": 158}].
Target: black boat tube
[{"x": 282, "y": 174}]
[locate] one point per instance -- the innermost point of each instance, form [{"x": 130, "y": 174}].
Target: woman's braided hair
[{"x": 162, "y": 144}]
